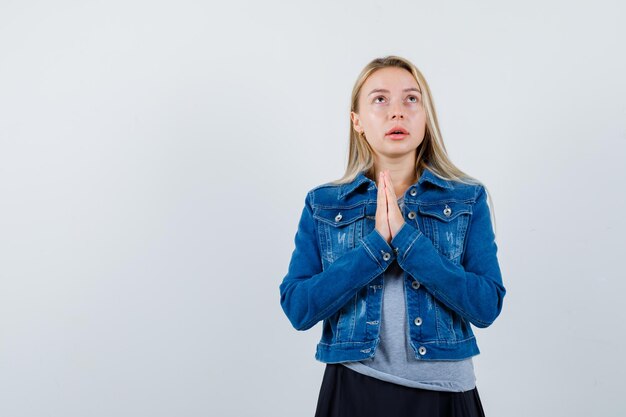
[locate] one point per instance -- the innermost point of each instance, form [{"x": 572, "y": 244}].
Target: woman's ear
[{"x": 356, "y": 122}]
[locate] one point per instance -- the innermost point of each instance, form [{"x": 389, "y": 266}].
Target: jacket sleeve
[
  {"x": 473, "y": 289},
  {"x": 309, "y": 294}
]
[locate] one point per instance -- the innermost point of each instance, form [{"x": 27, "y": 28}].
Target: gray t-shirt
[{"x": 394, "y": 360}]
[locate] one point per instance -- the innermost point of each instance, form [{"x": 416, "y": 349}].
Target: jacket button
[
  {"x": 418, "y": 321},
  {"x": 386, "y": 256},
  {"x": 415, "y": 284},
  {"x": 422, "y": 350},
  {"x": 338, "y": 217},
  {"x": 413, "y": 192},
  {"x": 412, "y": 215},
  {"x": 447, "y": 211}
]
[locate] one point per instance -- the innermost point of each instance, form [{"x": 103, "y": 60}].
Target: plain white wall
[{"x": 154, "y": 161}]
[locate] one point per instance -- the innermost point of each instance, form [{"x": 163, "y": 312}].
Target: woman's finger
[
  {"x": 389, "y": 187},
  {"x": 394, "y": 214},
  {"x": 381, "y": 197},
  {"x": 382, "y": 224}
]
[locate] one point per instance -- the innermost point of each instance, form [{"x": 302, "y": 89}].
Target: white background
[{"x": 155, "y": 156}]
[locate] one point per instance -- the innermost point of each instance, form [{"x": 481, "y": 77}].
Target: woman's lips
[{"x": 397, "y": 136}]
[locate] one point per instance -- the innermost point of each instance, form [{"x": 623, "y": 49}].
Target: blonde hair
[{"x": 431, "y": 153}]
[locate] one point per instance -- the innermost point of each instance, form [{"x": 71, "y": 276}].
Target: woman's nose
[{"x": 396, "y": 112}]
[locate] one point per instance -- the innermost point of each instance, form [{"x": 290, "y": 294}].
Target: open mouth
[{"x": 396, "y": 131}]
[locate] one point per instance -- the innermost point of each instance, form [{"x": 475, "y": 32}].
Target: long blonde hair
[{"x": 431, "y": 153}]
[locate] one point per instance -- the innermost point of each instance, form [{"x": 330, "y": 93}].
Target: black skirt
[{"x": 347, "y": 393}]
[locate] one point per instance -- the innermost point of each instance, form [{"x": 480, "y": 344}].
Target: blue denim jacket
[{"x": 446, "y": 249}]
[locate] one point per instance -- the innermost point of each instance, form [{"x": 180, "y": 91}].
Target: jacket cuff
[
  {"x": 379, "y": 249},
  {"x": 404, "y": 239}
]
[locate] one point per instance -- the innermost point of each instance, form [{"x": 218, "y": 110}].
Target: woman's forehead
[{"x": 390, "y": 80}]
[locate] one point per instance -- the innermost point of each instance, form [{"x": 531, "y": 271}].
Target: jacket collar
[{"x": 427, "y": 175}]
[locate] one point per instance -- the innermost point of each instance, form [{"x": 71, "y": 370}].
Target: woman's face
[{"x": 391, "y": 98}]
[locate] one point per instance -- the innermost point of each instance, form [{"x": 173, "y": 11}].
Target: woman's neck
[{"x": 401, "y": 179}]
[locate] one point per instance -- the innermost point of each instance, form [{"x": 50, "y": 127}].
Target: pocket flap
[
  {"x": 339, "y": 216},
  {"x": 445, "y": 211}
]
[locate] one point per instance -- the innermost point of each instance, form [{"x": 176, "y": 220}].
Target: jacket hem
[{"x": 435, "y": 350}]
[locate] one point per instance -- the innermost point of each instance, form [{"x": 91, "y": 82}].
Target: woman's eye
[
  {"x": 416, "y": 99},
  {"x": 377, "y": 99}
]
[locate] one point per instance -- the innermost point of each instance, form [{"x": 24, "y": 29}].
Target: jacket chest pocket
[
  {"x": 339, "y": 230},
  {"x": 446, "y": 225}
]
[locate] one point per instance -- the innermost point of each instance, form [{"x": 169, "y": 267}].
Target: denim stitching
[{"x": 411, "y": 245}]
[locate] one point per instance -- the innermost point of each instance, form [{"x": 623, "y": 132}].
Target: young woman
[{"x": 395, "y": 281}]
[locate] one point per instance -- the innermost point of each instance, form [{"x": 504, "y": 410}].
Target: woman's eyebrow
[{"x": 382, "y": 90}]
